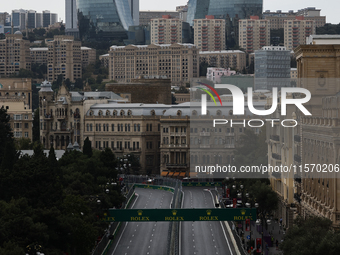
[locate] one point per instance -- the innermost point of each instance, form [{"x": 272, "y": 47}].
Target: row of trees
[{"x": 51, "y": 205}]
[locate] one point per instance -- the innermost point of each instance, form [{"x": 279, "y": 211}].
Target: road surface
[
  {"x": 206, "y": 237},
  {"x": 149, "y": 238}
]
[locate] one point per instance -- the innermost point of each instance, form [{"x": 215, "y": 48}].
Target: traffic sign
[
  {"x": 248, "y": 237},
  {"x": 206, "y": 214}
]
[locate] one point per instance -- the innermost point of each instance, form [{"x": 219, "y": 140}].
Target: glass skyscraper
[
  {"x": 221, "y": 9},
  {"x": 106, "y": 16}
]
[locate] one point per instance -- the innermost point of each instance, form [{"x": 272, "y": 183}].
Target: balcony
[
  {"x": 297, "y": 158},
  {"x": 178, "y": 146},
  {"x": 48, "y": 117},
  {"x": 276, "y": 156},
  {"x": 297, "y": 138},
  {"x": 176, "y": 165},
  {"x": 275, "y": 138}
]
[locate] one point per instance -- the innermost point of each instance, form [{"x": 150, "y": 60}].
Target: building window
[
  {"x": 137, "y": 145},
  {"x": 138, "y": 126},
  {"x": 90, "y": 127},
  {"x": 113, "y": 127},
  {"x": 26, "y": 134}
]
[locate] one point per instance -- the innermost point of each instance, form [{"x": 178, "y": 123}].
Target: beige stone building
[
  {"x": 64, "y": 58},
  {"x": 282, "y": 151},
  {"x": 234, "y": 59},
  {"x": 166, "y": 30},
  {"x": 62, "y": 116},
  {"x": 209, "y": 34},
  {"x": 318, "y": 71},
  {"x": 14, "y": 54},
  {"x": 188, "y": 139},
  {"x": 88, "y": 56},
  {"x": 127, "y": 129},
  {"x": 254, "y": 33},
  {"x": 296, "y": 31},
  {"x": 182, "y": 97},
  {"x": 178, "y": 62},
  {"x": 39, "y": 55},
  {"x": 16, "y": 97},
  {"x": 105, "y": 59}
]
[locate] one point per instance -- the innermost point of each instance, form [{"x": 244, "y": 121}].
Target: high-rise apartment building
[
  {"x": 254, "y": 33},
  {"x": 14, "y": 54},
  {"x": 209, "y": 34},
  {"x": 88, "y": 56},
  {"x": 183, "y": 11},
  {"x": 39, "y": 55},
  {"x": 49, "y": 18},
  {"x": 243, "y": 9},
  {"x": 234, "y": 59},
  {"x": 272, "y": 67},
  {"x": 16, "y": 98},
  {"x": 71, "y": 18},
  {"x": 296, "y": 31},
  {"x": 38, "y": 22},
  {"x": 178, "y": 62},
  {"x": 19, "y": 19},
  {"x": 64, "y": 58},
  {"x": 145, "y": 17},
  {"x": 31, "y": 19},
  {"x": 276, "y": 19},
  {"x": 167, "y": 30}
]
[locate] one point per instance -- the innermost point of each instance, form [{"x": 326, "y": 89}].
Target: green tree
[
  {"x": 23, "y": 144},
  {"x": 87, "y": 148},
  {"x": 78, "y": 84},
  {"x": 203, "y": 68},
  {"x": 99, "y": 79},
  {"x": 10, "y": 157},
  {"x": 6, "y": 135},
  {"x": 312, "y": 236}
]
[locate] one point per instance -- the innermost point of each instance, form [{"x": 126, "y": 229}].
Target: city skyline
[{"x": 57, "y": 7}]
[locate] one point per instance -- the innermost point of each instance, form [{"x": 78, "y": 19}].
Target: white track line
[
  {"x": 180, "y": 229},
  {"x": 125, "y": 226},
  {"x": 225, "y": 236}
]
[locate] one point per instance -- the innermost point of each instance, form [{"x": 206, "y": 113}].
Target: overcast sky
[{"x": 329, "y": 8}]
